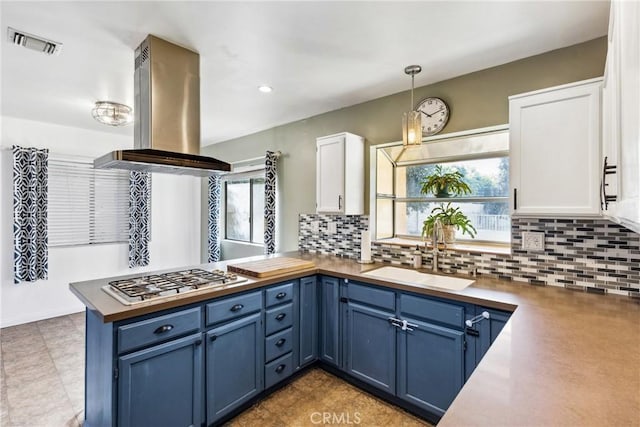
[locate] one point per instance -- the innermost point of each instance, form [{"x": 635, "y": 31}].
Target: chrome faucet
[{"x": 437, "y": 232}]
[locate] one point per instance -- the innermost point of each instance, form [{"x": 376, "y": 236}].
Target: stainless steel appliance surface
[
  {"x": 167, "y": 114},
  {"x": 136, "y": 290}
]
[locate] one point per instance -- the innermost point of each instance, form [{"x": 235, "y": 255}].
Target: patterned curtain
[
  {"x": 30, "y": 252},
  {"x": 271, "y": 170},
  {"x": 214, "y": 218},
  {"x": 139, "y": 218}
]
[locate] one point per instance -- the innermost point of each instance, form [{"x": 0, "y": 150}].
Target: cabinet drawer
[
  {"x": 278, "y": 344},
  {"x": 230, "y": 308},
  {"x": 278, "y": 318},
  {"x": 279, "y": 369},
  {"x": 440, "y": 312},
  {"x": 377, "y": 297},
  {"x": 279, "y": 294},
  {"x": 151, "y": 331}
]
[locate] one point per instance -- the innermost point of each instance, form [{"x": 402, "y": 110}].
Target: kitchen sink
[{"x": 415, "y": 278}]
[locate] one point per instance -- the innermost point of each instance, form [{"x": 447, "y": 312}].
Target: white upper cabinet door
[
  {"x": 555, "y": 151},
  {"x": 340, "y": 174},
  {"x": 627, "y": 43},
  {"x": 610, "y": 123}
]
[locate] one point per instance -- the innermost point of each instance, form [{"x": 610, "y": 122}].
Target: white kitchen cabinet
[
  {"x": 610, "y": 127},
  {"x": 628, "y": 205},
  {"x": 340, "y": 174},
  {"x": 554, "y": 156},
  {"x": 621, "y": 113}
]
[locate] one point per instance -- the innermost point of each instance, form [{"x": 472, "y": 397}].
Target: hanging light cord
[{"x": 412, "y": 77}]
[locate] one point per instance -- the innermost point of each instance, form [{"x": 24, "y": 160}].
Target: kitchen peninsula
[{"x": 553, "y": 363}]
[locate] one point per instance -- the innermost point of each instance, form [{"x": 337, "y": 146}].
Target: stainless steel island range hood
[{"x": 167, "y": 114}]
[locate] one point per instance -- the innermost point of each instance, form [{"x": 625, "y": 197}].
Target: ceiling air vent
[{"x": 32, "y": 42}]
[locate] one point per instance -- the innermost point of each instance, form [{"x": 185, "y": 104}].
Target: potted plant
[
  {"x": 450, "y": 219},
  {"x": 444, "y": 182}
]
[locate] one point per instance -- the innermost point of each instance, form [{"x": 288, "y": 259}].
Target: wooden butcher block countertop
[{"x": 564, "y": 358}]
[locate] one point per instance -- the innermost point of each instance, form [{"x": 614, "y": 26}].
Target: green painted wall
[{"x": 476, "y": 100}]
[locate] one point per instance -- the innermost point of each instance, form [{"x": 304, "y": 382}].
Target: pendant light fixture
[
  {"x": 411, "y": 120},
  {"x": 112, "y": 113}
]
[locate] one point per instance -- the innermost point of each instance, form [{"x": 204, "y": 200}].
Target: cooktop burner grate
[{"x": 138, "y": 289}]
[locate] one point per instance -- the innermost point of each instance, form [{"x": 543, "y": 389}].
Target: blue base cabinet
[
  {"x": 162, "y": 385},
  {"x": 308, "y": 329},
  {"x": 234, "y": 365},
  {"x": 371, "y": 346},
  {"x": 201, "y": 363},
  {"x": 489, "y": 330},
  {"x": 330, "y": 348},
  {"x": 430, "y": 365}
]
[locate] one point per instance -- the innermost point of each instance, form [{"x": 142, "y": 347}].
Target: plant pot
[
  {"x": 449, "y": 233},
  {"x": 443, "y": 192}
]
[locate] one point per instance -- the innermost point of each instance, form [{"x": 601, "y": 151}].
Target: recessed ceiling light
[{"x": 265, "y": 88}]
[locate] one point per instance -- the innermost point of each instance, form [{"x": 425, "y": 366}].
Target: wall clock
[{"x": 435, "y": 114}]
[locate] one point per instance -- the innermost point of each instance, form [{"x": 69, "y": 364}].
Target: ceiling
[{"x": 318, "y": 56}]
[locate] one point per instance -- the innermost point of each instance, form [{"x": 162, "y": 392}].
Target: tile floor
[
  {"x": 42, "y": 385},
  {"x": 42, "y": 375},
  {"x": 319, "y": 398}
]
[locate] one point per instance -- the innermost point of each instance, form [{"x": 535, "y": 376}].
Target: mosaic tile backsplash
[
  {"x": 589, "y": 255},
  {"x": 315, "y": 234}
]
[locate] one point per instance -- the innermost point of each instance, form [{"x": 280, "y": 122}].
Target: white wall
[{"x": 175, "y": 220}]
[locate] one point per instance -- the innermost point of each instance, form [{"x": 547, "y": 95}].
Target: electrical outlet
[
  {"x": 332, "y": 228},
  {"x": 315, "y": 227},
  {"x": 533, "y": 240}
]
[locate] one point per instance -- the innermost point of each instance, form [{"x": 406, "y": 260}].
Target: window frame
[
  {"x": 250, "y": 177},
  {"x": 375, "y": 196}
]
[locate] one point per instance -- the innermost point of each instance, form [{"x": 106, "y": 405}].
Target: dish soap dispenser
[{"x": 417, "y": 258}]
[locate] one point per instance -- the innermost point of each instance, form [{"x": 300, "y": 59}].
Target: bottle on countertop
[{"x": 417, "y": 258}]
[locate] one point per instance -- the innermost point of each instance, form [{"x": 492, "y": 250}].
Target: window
[
  {"x": 244, "y": 209},
  {"x": 481, "y": 157},
  {"x": 87, "y": 205}
]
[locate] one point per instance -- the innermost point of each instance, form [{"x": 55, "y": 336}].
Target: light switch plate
[
  {"x": 332, "y": 228},
  {"x": 533, "y": 240}
]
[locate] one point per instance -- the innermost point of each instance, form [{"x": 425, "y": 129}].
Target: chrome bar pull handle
[
  {"x": 406, "y": 326},
  {"x": 485, "y": 315},
  {"x": 395, "y": 322}
]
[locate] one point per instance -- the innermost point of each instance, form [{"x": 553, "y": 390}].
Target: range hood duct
[{"x": 167, "y": 115}]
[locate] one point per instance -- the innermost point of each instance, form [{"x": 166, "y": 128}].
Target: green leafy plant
[
  {"x": 447, "y": 216},
  {"x": 444, "y": 182}
]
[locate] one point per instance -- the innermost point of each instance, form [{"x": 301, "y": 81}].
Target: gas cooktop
[{"x": 153, "y": 287}]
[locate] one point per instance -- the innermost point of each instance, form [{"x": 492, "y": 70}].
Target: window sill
[
  {"x": 468, "y": 247},
  {"x": 242, "y": 242}
]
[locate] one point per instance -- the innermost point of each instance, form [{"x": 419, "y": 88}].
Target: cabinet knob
[
  {"x": 280, "y": 368},
  {"x": 281, "y": 316},
  {"x": 213, "y": 337},
  {"x": 280, "y": 342},
  {"x": 237, "y": 307},
  {"x": 281, "y": 295}
]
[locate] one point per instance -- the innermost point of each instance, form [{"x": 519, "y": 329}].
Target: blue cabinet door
[
  {"x": 308, "y": 329},
  {"x": 430, "y": 366},
  {"x": 162, "y": 385},
  {"x": 234, "y": 365},
  {"x": 489, "y": 330},
  {"x": 371, "y": 346},
  {"x": 330, "y": 320}
]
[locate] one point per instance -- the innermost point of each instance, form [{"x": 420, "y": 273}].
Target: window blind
[{"x": 87, "y": 205}]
